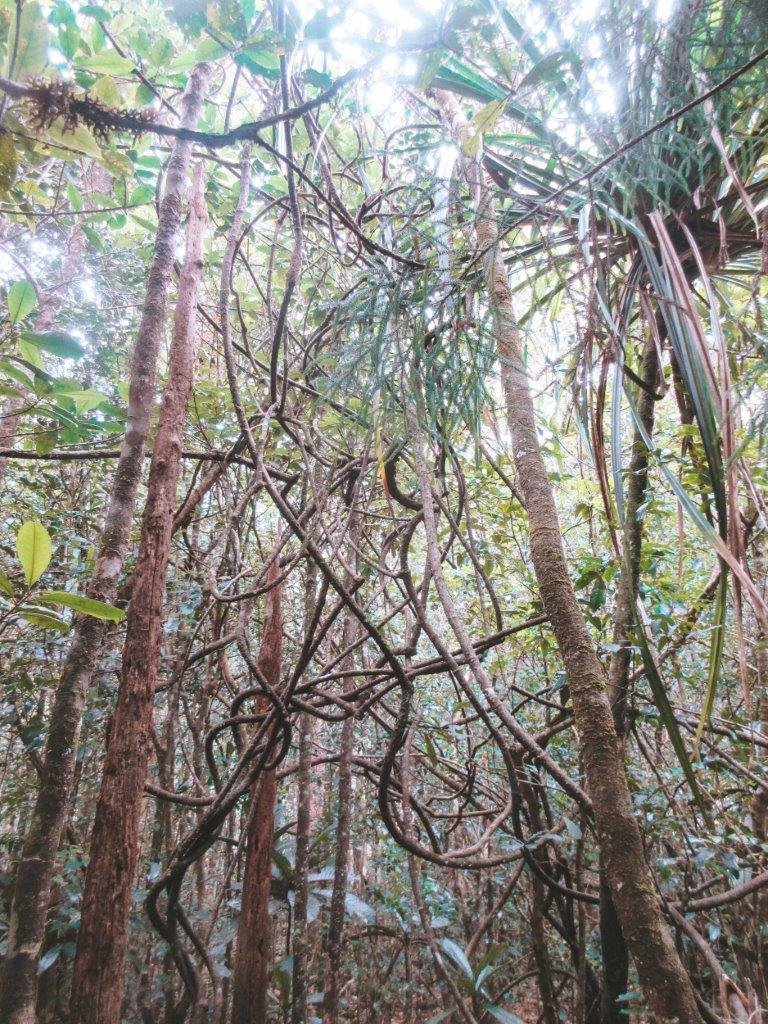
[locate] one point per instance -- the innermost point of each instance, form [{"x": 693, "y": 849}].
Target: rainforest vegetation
[{"x": 384, "y": 516}]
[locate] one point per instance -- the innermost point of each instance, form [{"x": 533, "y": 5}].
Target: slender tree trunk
[
  {"x": 614, "y": 951},
  {"x": 549, "y": 1009},
  {"x": 299, "y": 931},
  {"x": 98, "y": 977},
  {"x": 663, "y": 978},
  {"x": 626, "y": 590},
  {"x": 340, "y": 876},
  {"x": 253, "y": 953},
  {"x": 760, "y": 801},
  {"x": 33, "y": 883}
]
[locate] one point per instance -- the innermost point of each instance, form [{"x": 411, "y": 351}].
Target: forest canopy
[{"x": 383, "y": 566}]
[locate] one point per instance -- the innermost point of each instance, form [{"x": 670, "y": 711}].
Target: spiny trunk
[
  {"x": 97, "y": 983},
  {"x": 613, "y": 947},
  {"x": 35, "y": 873},
  {"x": 253, "y": 955}
]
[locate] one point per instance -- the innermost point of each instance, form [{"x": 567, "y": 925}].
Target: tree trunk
[
  {"x": 35, "y": 873},
  {"x": 97, "y": 983},
  {"x": 613, "y": 947},
  {"x": 663, "y": 978},
  {"x": 340, "y": 875},
  {"x": 299, "y": 931},
  {"x": 253, "y": 954}
]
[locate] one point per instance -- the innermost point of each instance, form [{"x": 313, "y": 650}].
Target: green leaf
[
  {"x": 21, "y": 300},
  {"x": 46, "y": 440},
  {"x": 86, "y": 400},
  {"x": 260, "y": 61},
  {"x": 505, "y": 1016},
  {"x": 44, "y": 618},
  {"x": 109, "y": 63},
  {"x": 8, "y": 162},
  {"x": 56, "y": 342},
  {"x": 48, "y": 959},
  {"x": 666, "y": 714},
  {"x": 34, "y": 548},
  {"x": 79, "y": 139},
  {"x": 320, "y": 79},
  {"x": 85, "y": 605},
  {"x": 459, "y": 957},
  {"x": 549, "y": 68},
  {"x": 34, "y": 39},
  {"x": 430, "y": 748},
  {"x": 356, "y": 907},
  {"x": 715, "y": 657},
  {"x": 440, "y": 1016},
  {"x": 482, "y": 122},
  {"x": 6, "y": 587}
]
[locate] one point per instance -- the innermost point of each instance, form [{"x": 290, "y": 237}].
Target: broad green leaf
[
  {"x": 80, "y": 139},
  {"x": 107, "y": 90},
  {"x": 8, "y": 161},
  {"x": 31, "y": 355},
  {"x": 45, "y": 440},
  {"x": 96, "y": 11},
  {"x": 549, "y": 68},
  {"x": 44, "y": 618},
  {"x": 260, "y": 61},
  {"x": 85, "y": 605},
  {"x": 430, "y": 748},
  {"x": 56, "y": 342},
  {"x": 482, "y": 122},
  {"x": 6, "y": 587},
  {"x": 34, "y": 39},
  {"x": 86, "y": 400},
  {"x": 356, "y": 907},
  {"x": 459, "y": 957},
  {"x": 21, "y": 300},
  {"x": 34, "y": 549},
  {"x": 109, "y": 63},
  {"x": 48, "y": 959},
  {"x": 715, "y": 657},
  {"x": 505, "y": 1016}
]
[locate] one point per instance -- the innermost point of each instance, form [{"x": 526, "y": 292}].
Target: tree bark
[
  {"x": 97, "y": 983},
  {"x": 340, "y": 875},
  {"x": 299, "y": 930},
  {"x": 615, "y": 956},
  {"x": 35, "y": 873},
  {"x": 663, "y": 978},
  {"x": 253, "y": 954}
]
